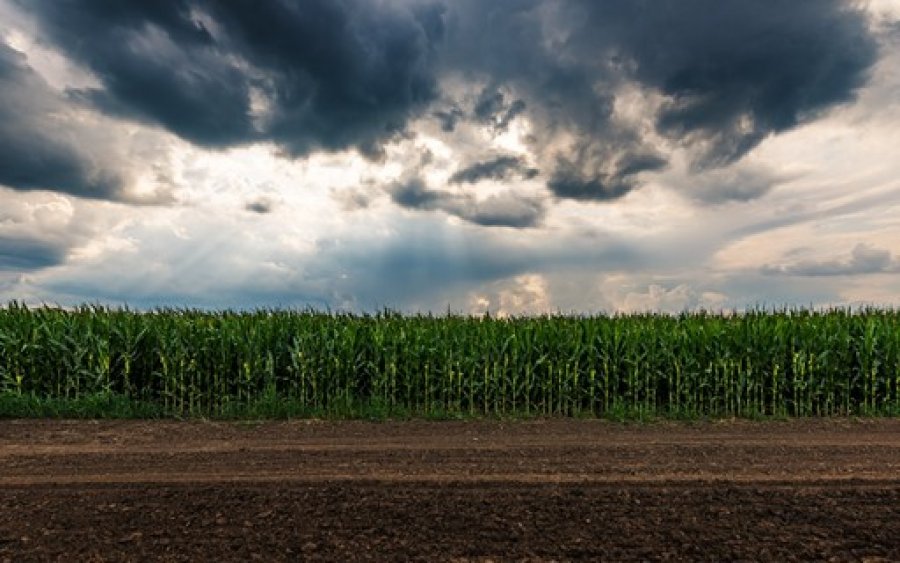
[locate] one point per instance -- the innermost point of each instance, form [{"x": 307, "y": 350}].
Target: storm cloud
[
  {"x": 260, "y": 206},
  {"x": 494, "y": 109},
  {"x": 735, "y": 73},
  {"x": 501, "y": 210},
  {"x": 514, "y": 155},
  {"x": 583, "y": 179},
  {"x": 42, "y": 149},
  {"x": 18, "y": 254},
  {"x": 325, "y": 75},
  {"x": 727, "y": 75},
  {"x": 500, "y": 168},
  {"x": 310, "y": 75}
]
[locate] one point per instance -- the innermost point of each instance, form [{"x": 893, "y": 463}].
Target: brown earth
[{"x": 456, "y": 491}]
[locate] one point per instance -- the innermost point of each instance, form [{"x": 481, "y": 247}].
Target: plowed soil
[{"x": 810, "y": 490}]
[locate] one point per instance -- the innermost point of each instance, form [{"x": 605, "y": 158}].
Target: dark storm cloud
[
  {"x": 156, "y": 63},
  {"x": 491, "y": 108},
  {"x": 311, "y": 74},
  {"x": 499, "y": 168},
  {"x": 736, "y": 72},
  {"x": 40, "y": 150},
  {"x": 502, "y": 210},
  {"x": 524, "y": 50},
  {"x": 494, "y": 109},
  {"x": 864, "y": 259},
  {"x": 568, "y": 182},
  {"x": 260, "y": 206},
  {"x": 18, "y": 254},
  {"x": 569, "y": 179},
  {"x": 505, "y": 210},
  {"x": 489, "y": 105},
  {"x": 514, "y": 110},
  {"x": 730, "y": 73},
  {"x": 449, "y": 118},
  {"x": 414, "y": 194},
  {"x": 330, "y": 75}
]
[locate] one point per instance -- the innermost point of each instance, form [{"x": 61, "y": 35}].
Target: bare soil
[{"x": 806, "y": 490}]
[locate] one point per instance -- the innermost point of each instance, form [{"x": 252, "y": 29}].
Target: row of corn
[{"x": 758, "y": 363}]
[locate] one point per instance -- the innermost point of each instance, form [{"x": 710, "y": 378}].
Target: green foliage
[{"x": 301, "y": 363}]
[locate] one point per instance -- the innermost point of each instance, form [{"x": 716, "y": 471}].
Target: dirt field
[{"x": 545, "y": 490}]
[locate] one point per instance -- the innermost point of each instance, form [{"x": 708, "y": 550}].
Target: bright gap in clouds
[{"x": 517, "y": 157}]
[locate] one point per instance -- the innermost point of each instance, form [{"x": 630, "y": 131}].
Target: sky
[{"x": 512, "y": 156}]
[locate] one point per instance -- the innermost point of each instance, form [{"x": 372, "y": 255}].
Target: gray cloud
[
  {"x": 736, "y": 72},
  {"x": 499, "y": 168},
  {"x": 491, "y": 108},
  {"x": 449, "y": 118},
  {"x": 260, "y": 206},
  {"x": 42, "y": 149},
  {"x": 863, "y": 259},
  {"x": 514, "y": 110},
  {"x": 730, "y": 74},
  {"x": 328, "y": 75},
  {"x": 414, "y": 194},
  {"x": 309, "y": 75},
  {"x": 18, "y": 254},
  {"x": 503, "y": 210},
  {"x": 579, "y": 179},
  {"x": 489, "y": 105},
  {"x": 40, "y": 231},
  {"x": 494, "y": 109},
  {"x": 739, "y": 182}
]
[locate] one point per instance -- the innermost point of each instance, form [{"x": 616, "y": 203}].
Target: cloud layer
[
  {"x": 520, "y": 155},
  {"x": 331, "y": 75},
  {"x": 308, "y": 75},
  {"x": 718, "y": 78}
]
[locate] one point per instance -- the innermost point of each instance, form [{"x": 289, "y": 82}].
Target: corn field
[{"x": 195, "y": 363}]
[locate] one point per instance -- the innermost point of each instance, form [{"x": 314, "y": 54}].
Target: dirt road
[{"x": 542, "y": 490}]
